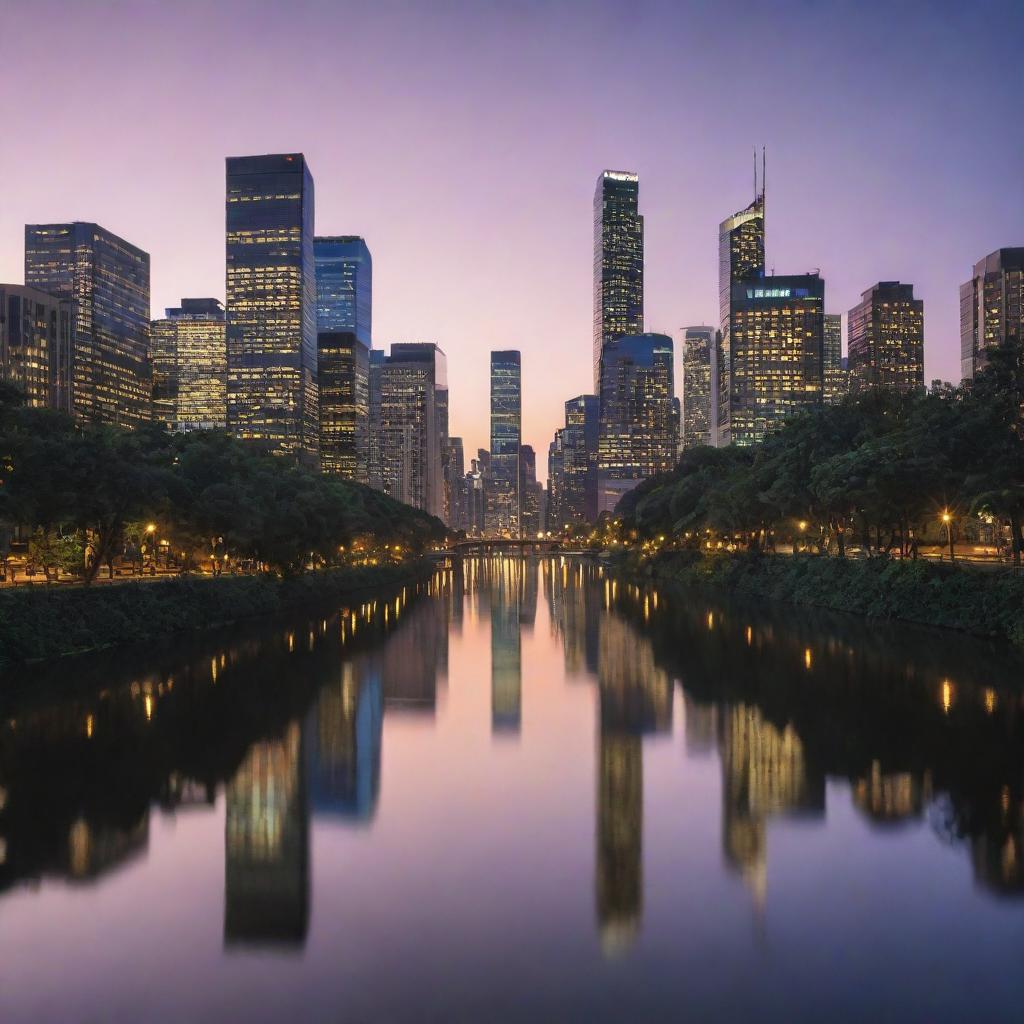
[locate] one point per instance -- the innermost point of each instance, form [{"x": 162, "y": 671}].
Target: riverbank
[
  {"x": 926, "y": 593},
  {"x": 39, "y": 622}
]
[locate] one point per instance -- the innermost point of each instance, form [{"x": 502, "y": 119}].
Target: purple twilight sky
[{"x": 463, "y": 141}]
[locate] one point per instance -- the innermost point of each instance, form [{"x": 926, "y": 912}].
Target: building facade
[
  {"x": 530, "y": 493},
  {"x": 503, "y": 499},
  {"x": 188, "y": 353},
  {"x": 886, "y": 339},
  {"x": 35, "y": 345},
  {"x": 836, "y": 382},
  {"x": 638, "y": 425},
  {"x": 271, "y": 304},
  {"x": 618, "y": 261},
  {"x": 343, "y": 371},
  {"x": 741, "y": 242},
  {"x": 344, "y": 285},
  {"x": 775, "y": 352},
  {"x": 991, "y": 307},
  {"x": 107, "y": 280},
  {"x": 700, "y": 377},
  {"x": 579, "y": 444},
  {"x": 410, "y": 424}
]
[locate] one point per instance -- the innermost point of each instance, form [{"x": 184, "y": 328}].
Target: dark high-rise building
[
  {"x": 836, "y": 384},
  {"x": 530, "y": 492},
  {"x": 776, "y": 342},
  {"x": 618, "y": 261},
  {"x": 506, "y": 437},
  {"x": 271, "y": 304},
  {"x": 344, "y": 285},
  {"x": 554, "y": 517},
  {"x": 455, "y": 484},
  {"x": 35, "y": 345},
  {"x": 579, "y": 444},
  {"x": 107, "y": 279},
  {"x": 741, "y": 240},
  {"x": 638, "y": 424},
  {"x": 411, "y": 424},
  {"x": 700, "y": 353},
  {"x": 343, "y": 369},
  {"x": 188, "y": 353},
  {"x": 886, "y": 339},
  {"x": 991, "y": 307}
]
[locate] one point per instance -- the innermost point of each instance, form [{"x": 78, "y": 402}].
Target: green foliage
[
  {"x": 203, "y": 490},
  {"x": 44, "y": 622},
  {"x": 880, "y": 464}
]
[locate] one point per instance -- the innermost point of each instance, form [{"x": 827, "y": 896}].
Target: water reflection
[{"x": 287, "y": 726}]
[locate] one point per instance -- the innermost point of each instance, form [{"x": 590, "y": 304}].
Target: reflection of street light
[{"x": 948, "y": 520}]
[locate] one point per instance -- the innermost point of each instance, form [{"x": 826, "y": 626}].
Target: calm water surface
[{"x": 523, "y": 792}]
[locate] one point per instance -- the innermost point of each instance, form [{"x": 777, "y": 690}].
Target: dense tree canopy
[
  {"x": 96, "y": 488},
  {"x": 875, "y": 469}
]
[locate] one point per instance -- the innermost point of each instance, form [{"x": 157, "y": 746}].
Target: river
[{"x": 521, "y": 791}]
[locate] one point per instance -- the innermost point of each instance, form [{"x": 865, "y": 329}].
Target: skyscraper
[
  {"x": 413, "y": 401},
  {"x": 455, "y": 484},
  {"x": 741, "y": 239},
  {"x": 506, "y": 437},
  {"x": 271, "y": 304},
  {"x": 618, "y": 261},
  {"x": 638, "y": 424},
  {"x": 579, "y": 444},
  {"x": 700, "y": 353},
  {"x": 776, "y": 349},
  {"x": 188, "y": 351},
  {"x": 35, "y": 345},
  {"x": 530, "y": 492},
  {"x": 836, "y": 383},
  {"x": 343, "y": 368},
  {"x": 344, "y": 285},
  {"x": 886, "y": 339},
  {"x": 991, "y": 307},
  {"x": 107, "y": 278}
]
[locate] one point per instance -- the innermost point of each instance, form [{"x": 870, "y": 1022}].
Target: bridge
[{"x": 513, "y": 546}]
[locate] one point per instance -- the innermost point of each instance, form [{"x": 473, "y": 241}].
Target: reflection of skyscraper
[
  {"x": 619, "y": 869},
  {"x": 506, "y": 646},
  {"x": 891, "y": 797},
  {"x": 345, "y": 742},
  {"x": 764, "y": 773},
  {"x": 94, "y": 849},
  {"x": 701, "y": 726},
  {"x": 413, "y": 656},
  {"x": 266, "y": 879},
  {"x": 636, "y": 695}
]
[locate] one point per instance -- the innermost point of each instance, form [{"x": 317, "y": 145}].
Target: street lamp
[{"x": 948, "y": 520}]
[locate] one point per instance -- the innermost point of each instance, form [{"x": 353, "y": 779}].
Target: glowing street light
[{"x": 947, "y": 518}]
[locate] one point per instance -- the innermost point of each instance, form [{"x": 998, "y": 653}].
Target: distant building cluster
[{"x": 288, "y": 361}]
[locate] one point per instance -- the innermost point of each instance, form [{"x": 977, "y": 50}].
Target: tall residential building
[
  {"x": 579, "y": 444},
  {"x": 553, "y": 516},
  {"x": 776, "y": 347},
  {"x": 886, "y": 339},
  {"x": 455, "y": 484},
  {"x": 991, "y": 307},
  {"x": 271, "y": 304},
  {"x": 740, "y": 259},
  {"x": 618, "y": 261},
  {"x": 343, "y": 369},
  {"x": 700, "y": 377},
  {"x": 107, "y": 279},
  {"x": 836, "y": 379},
  {"x": 503, "y": 513},
  {"x": 638, "y": 424},
  {"x": 188, "y": 352},
  {"x": 35, "y": 345},
  {"x": 344, "y": 285},
  {"x": 411, "y": 427},
  {"x": 530, "y": 492}
]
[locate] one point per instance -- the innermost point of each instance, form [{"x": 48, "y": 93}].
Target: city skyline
[{"x": 439, "y": 274}]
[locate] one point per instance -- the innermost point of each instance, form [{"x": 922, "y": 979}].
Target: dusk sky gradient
[{"x": 463, "y": 140}]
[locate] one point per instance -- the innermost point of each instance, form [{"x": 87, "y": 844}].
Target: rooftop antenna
[
  {"x": 763, "y": 169},
  {"x": 755, "y": 174}
]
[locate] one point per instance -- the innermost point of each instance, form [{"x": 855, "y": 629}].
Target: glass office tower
[
  {"x": 35, "y": 345},
  {"x": 991, "y": 307},
  {"x": 776, "y": 352},
  {"x": 638, "y": 423},
  {"x": 410, "y": 425},
  {"x": 741, "y": 239},
  {"x": 271, "y": 304},
  {"x": 836, "y": 378},
  {"x": 344, "y": 285},
  {"x": 700, "y": 352},
  {"x": 579, "y": 442},
  {"x": 107, "y": 279},
  {"x": 188, "y": 351},
  {"x": 886, "y": 339},
  {"x": 344, "y": 381},
  {"x": 618, "y": 261},
  {"x": 503, "y": 512}
]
